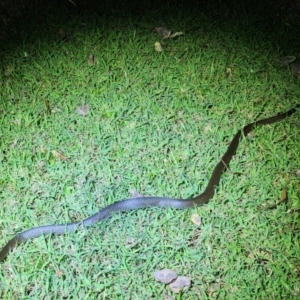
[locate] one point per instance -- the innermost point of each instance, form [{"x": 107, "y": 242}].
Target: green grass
[{"x": 158, "y": 124}]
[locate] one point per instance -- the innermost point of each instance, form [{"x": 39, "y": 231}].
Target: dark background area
[{"x": 276, "y": 21}]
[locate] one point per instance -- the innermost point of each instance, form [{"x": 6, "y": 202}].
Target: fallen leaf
[
  {"x": 283, "y": 195},
  {"x": 163, "y": 31},
  {"x": 83, "y": 110},
  {"x": 91, "y": 60},
  {"x": 8, "y": 71},
  {"x": 228, "y": 72},
  {"x": 214, "y": 287},
  {"x": 59, "y": 155},
  {"x": 181, "y": 283},
  {"x": 295, "y": 69},
  {"x": 165, "y": 276},
  {"x": 135, "y": 194},
  {"x": 158, "y": 47},
  {"x": 288, "y": 60},
  {"x": 175, "y": 34},
  {"x": 196, "y": 219}
]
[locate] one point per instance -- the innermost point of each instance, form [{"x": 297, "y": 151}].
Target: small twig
[
  {"x": 274, "y": 205},
  {"x": 228, "y": 169}
]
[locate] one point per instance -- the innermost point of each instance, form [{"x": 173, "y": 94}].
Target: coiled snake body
[{"x": 144, "y": 202}]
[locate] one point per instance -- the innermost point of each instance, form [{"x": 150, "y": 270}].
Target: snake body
[{"x": 144, "y": 202}]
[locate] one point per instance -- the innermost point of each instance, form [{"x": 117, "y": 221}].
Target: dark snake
[{"x": 144, "y": 202}]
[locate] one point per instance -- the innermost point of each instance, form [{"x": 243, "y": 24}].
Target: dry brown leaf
[
  {"x": 214, "y": 288},
  {"x": 59, "y": 155},
  {"x": 175, "y": 34},
  {"x": 158, "y": 47},
  {"x": 181, "y": 283},
  {"x": 83, "y": 110},
  {"x": 165, "y": 276},
  {"x": 196, "y": 219},
  {"x": 288, "y": 60},
  {"x": 295, "y": 69},
  {"x": 228, "y": 72},
  {"x": 283, "y": 195},
  {"x": 91, "y": 60},
  {"x": 163, "y": 31},
  {"x": 135, "y": 194}
]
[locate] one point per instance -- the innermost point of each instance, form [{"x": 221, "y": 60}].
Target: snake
[{"x": 147, "y": 202}]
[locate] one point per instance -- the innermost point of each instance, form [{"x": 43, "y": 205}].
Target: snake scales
[{"x": 144, "y": 202}]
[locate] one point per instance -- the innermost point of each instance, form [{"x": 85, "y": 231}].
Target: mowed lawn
[{"x": 158, "y": 122}]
